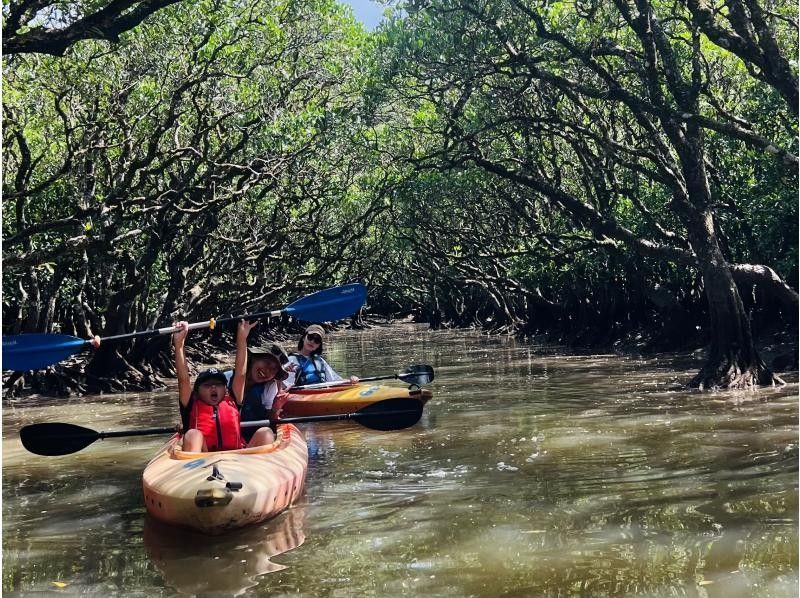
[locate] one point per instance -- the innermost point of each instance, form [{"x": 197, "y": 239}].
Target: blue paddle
[{"x": 33, "y": 351}]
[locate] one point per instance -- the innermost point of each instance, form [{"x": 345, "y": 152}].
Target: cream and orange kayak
[
  {"x": 346, "y": 398},
  {"x": 217, "y": 491}
]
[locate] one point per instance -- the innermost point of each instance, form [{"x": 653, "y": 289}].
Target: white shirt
[{"x": 267, "y": 395}]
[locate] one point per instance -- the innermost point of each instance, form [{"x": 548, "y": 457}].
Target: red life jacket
[{"x": 219, "y": 424}]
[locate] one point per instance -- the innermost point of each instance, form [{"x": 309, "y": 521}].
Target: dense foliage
[
  {"x": 573, "y": 129},
  {"x": 585, "y": 169}
]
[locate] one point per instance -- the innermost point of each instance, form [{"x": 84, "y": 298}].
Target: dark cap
[
  {"x": 210, "y": 374},
  {"x": 275, "y": 352}
]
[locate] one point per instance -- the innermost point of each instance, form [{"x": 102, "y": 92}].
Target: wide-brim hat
[
  {"x": 275, "y": 352},
  {"x": 316, "y": 329},
  {"x": 210, "y": 374}
]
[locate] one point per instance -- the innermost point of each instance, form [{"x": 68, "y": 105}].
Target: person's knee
[
  {"x": 193, "y": 441},
  {"x": 261, "y": 437}
]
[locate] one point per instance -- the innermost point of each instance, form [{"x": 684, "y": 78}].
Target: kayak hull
[
  {"x": 218, "y": 491},
  {"x": 346, "y": 399}
]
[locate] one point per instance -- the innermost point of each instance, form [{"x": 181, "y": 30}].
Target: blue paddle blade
[
  {"x": 329, "y": 304},
  {"x": 34, "y": 351}
]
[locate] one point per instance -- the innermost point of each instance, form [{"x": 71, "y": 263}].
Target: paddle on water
[
  {"x": 34, "y": 351},
  {"x": 53, "y": 439},
  {"x": 419, "y": 375}
]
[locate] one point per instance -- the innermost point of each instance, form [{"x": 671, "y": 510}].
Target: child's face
[
  {"x": 264, "y": 370},
  {"x": 211, "y": 391}
]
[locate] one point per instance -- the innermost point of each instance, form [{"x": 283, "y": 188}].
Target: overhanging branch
[{"x": 108, "y": 23}]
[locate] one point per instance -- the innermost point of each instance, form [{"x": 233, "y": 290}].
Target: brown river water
[{"x": 531, "y": 473}]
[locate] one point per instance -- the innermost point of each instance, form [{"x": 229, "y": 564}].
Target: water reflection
[{"x": 226, "y": 565}]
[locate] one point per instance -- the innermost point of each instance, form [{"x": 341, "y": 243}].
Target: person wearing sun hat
[
  {"x": 264, "y": 393},
  {"x": 306, "y": 365}
]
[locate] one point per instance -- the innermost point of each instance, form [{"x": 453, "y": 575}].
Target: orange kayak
[
  {"x": 346, "y": 398},
  {"x": 217, "y": 491}
]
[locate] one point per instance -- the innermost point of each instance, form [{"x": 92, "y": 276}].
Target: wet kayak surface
[{"x": 532, "y": 472}]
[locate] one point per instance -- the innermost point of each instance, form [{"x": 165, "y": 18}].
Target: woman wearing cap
[
  {"x": 210, "y": 414},
  {"x": 307, "y": 365},
  {"x": 264, "y": 394}
]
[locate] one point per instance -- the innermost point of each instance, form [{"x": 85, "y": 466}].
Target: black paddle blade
[
  {"x": 419, "y": 374},
  {"x": 391, "y": 414},
  {"x": 54, "y": 439}
]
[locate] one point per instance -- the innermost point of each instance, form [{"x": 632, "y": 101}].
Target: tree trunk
[{"x": 733, "y": 361}]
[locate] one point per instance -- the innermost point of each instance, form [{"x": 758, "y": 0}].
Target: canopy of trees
[
  {"x": 583, "y": 169},
  {"x": 631, "y": 123}
]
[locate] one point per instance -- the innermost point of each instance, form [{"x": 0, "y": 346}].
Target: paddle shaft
[
  {"x": 305, "y": 419},
  {"x": 419, "y": 374},
  {"x": 142, "y": 432},
  {"x": 250, "y": 424},
  {"x": 346, "y": 382},
  {"x": 332, "y": 303},
  {"x": 194, "y": 326},
  {"x": 255, "y": 423}
]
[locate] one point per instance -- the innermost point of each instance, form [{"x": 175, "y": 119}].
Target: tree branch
[{"x": 108, "y": 23}]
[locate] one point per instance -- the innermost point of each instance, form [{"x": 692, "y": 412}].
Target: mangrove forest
[{"x": 613, "y": 176}]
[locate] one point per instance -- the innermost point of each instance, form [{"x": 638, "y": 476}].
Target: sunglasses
[{"x": 314, "y": 338}]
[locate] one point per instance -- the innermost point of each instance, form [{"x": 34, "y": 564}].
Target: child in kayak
[
  {"x": 306, "y": 366},
  {"x": 264, "y": 392},
  {"x": 210, "y": 414}
]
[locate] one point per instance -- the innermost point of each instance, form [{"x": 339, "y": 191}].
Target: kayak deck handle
[{"x": 213, "y": 497}]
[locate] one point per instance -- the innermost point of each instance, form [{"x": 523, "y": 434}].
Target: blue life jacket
[{"x": 310, "y": 370}]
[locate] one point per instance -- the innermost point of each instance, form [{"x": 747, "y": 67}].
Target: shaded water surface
[{"x": 532, "y": 473}]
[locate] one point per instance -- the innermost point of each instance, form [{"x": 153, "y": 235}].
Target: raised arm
[
  {"x": 182, "y": 370},
  {"x": 240, "y": 367}
]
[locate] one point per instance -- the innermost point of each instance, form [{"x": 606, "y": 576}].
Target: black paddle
[
  {"x": 53, "y": 439},
  {"x": 419, "y": 374}
]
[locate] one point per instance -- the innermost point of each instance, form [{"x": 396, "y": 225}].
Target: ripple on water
[{"x": 530, "y": 474}]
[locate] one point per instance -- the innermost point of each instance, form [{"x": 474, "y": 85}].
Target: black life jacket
[{"x": 253, "y": 409}]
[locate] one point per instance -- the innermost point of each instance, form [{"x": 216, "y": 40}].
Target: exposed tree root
[{"x": 727, "y": 374}]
